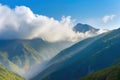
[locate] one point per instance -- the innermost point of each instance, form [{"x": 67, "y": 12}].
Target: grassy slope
[
  {"x": 111, "y": 73},
  {"x": 8, "y": 75}
]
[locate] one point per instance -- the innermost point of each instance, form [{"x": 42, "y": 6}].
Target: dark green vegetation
[
  {"x": 112, "y": 73},
  {"x": 8, "y": 75},
  {"x": 83, "y": 58}
]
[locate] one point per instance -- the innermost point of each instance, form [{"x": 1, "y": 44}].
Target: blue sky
[{"x": 85, "y": 11}]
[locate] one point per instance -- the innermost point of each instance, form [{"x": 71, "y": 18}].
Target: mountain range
[
  {"x": 24, "y": 56},
  {"x": 37, "y": 59}
]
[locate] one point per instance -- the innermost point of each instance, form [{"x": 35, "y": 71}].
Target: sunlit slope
[{"x": 8, "y": 75}]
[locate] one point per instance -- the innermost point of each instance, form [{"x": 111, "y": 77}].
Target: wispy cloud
[{"x": 108, "y": 18}]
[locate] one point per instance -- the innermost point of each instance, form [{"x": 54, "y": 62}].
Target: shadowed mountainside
[{"x": 84, "y": 58}]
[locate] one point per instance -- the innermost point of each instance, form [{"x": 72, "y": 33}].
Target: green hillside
[
  {"x": 112, "y": 73},
  {"x": 8, "y": 75}
]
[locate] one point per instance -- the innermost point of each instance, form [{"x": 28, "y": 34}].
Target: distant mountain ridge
[{"x": 21, "y": 55}]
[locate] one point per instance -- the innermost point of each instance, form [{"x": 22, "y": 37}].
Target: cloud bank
[
  {"x": 108, "y": 18},
  {"x": 22, "y": 23}
]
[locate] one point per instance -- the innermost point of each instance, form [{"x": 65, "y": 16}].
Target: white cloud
[
  {"x": 108, "y": 18},
  {"x": 22, "y": 23},
  {"x": 102, "y": 31}
]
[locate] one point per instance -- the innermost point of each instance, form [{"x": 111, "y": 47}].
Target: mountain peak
[{"x": 84, "y": 28}]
